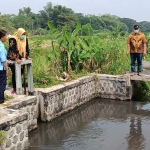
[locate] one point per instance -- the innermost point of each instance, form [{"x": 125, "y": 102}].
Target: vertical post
[
  {"x": 18, "y": 78},
  {"x": 30, "y": 79}
]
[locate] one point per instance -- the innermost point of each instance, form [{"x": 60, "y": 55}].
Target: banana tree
[
  {"x": 67, "y": 40},
  {"x": 91, "y": 46}
]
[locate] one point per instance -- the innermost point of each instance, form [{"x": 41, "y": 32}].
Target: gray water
[{"x": 98, "y": 125}]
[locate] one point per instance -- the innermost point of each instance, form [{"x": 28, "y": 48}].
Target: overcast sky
[{"x": 135, "y": 9}]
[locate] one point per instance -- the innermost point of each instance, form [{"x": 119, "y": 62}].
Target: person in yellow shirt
[
  {"x": 136, "y": 47},
  {"x": 18, "y": 48}
]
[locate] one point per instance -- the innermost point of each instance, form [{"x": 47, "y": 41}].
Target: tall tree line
[{"x": 66, "y": 19}]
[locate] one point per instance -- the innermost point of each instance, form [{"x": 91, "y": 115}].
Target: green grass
[
  {"x": 2, "y": 137},
  {"x": 7, "y": 97}
]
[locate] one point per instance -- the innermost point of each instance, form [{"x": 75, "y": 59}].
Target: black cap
[{"x": 136, "y": 26}]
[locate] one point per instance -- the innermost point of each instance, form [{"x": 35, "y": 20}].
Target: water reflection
[
  {"x": 136, "y": 139},
  {"x": 94, "y": 126}
]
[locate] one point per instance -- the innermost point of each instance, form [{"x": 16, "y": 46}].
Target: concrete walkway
[{"x": 146, "y": 64}]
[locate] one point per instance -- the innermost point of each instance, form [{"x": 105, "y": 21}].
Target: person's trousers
[
  {"x": 2, "y": 85},
  {"x": 12, "y": 67},
  {"x": 136, "y": 57},
  {"x": 13, "y": 78}
]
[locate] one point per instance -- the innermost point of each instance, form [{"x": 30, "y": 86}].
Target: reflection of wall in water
[{"x": 68, "y": 124}]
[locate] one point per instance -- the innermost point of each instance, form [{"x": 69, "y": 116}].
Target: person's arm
[
  {"x": 144, "y": 41},
  {"x": 3, "y": 59},
  {"x": 128, "y": 49},
  {"x": 6, "y": 67},
  {"x": 128, "y": 46}
]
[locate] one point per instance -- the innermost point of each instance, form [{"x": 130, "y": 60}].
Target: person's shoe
[
  {"x": 13, "y": 91},
  {"x": 132, "y": 74},
  {"x": 4, "y": 104},
  {"x": 140, "y": 74}
]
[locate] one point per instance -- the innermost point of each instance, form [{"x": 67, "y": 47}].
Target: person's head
[
  {"x": 3, "y": 35},
  {"x": 21, "y": 33},
  {"x": 136, "y": 28}
]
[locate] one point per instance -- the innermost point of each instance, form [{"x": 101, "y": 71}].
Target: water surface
[{"x": 97, "y": 125}]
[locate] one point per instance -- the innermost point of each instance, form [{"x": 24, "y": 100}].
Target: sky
[{"x": 134, "y": 9}]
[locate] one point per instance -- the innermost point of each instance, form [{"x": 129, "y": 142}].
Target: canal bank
[{"x": 50, "y": 103}]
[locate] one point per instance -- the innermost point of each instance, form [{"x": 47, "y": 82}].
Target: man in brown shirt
[{"x": 136, "y": 46}]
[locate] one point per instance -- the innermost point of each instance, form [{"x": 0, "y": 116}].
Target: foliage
[
  {"x": 66, "y": 40},
  {"x": 2, "y": 137},
  {"x": 101, "y": 52},
  {"x": 6, "y": 23},
  {"x": 141, "y": 91},
  {"x": 93, "y": 52}
]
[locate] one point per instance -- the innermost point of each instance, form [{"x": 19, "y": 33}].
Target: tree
[
  {"x": 129, "y": 22},
  {"x": 6, "y": 23},
  {"x": 87, "y": 29},
  {"x": 66, "y": 40}
]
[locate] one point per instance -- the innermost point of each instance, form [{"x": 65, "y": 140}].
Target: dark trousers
[
  {"x": 2, "y": 85},
  {"x": 13, "y": 78},
  {"x": 12, "y": 67},
  {"x": 134, "y": 57}
]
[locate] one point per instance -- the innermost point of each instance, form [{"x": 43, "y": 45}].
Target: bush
[{"x": 141, "y": 91}]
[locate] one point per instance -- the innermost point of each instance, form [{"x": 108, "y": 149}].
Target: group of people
[{"x": 18, "y": 48}]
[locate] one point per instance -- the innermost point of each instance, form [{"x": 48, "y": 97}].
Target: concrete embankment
[{"x": 49, "y": 103}]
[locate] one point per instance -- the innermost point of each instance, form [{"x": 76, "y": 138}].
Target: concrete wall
[
  {"x": 59, "y": 99},
  {"x": 114, "y": 87},
  {"x": 52, "y": 102},
  {"x": 15, "y": 126},
  {"x": 26, "y": 104}
]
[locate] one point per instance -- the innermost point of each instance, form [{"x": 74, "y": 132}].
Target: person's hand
[
  {"x": 29, "y": 58},
  {"x": 18, "y": 61},
  {"x": 144, "y": 54},
  {"x": 7, "y": 73},
  {"x": 127, "y": 53}
]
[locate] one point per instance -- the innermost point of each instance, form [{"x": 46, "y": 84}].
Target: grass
[
  {"x": 2, "y": 137},
  {"x": 7, "y": 97}
]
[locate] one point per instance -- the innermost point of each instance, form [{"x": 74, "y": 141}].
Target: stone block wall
[
  {"x": 29, "y": 105},
  {"x": 114, "y": 87},
  {"x": 59, "y": 99},
  {"x": 15, "y": 126},
  {"x": 50, "y": 103}
]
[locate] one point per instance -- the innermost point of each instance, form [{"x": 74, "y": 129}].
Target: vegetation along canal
[{"x": 97, "y": 125}]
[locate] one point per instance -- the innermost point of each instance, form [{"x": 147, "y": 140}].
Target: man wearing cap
[{"x": 136, "y": 46}]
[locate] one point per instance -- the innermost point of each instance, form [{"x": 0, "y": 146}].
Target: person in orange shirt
[{"x": 136, "y": 47}]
